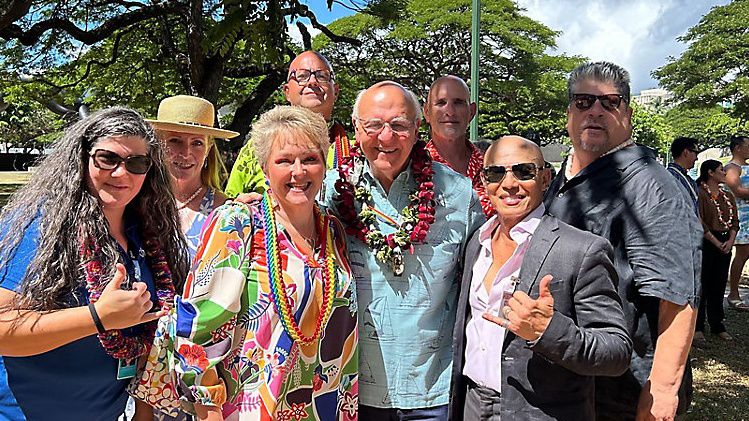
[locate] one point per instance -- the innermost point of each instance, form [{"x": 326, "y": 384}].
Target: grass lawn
[{"x": 721, "y": 372}]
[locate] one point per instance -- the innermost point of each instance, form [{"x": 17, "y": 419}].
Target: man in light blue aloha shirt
[{"x": 407, "y": 293}]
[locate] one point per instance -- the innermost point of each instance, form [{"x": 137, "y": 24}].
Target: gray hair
[
  {"x": 601, "y": 71},
  {"x": 415, "y": 104},
  {"x": 284, "y": 119},
  {"x": 57, "y": 196}
]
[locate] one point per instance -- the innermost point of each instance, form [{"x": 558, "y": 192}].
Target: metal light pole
[{"x": 475, "y": 26}]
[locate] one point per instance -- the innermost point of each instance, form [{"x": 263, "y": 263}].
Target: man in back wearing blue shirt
[
  {"x": 684, "y": 152},
  {"x": 408, "y": 220}
]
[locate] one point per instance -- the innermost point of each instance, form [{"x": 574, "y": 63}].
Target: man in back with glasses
[
  {"x": 616, "y": 189},
  {"x": 310, "y": 83}
]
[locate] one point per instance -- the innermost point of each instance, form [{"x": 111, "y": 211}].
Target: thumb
[
  {"x": 543, "y": 288},
  {"x": 119, "y": 277}
]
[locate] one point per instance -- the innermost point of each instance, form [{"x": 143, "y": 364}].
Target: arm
[
  {"x": 214, "y": 294},
  {"x": 246, "y": 175},
  {"x": 597, "y": 342},
  {"x": 733, "y": 181},
  {"x": 26, "y": 332},
  {"x": 659, "y": 398},
  {"x": 705, "y": 207}
]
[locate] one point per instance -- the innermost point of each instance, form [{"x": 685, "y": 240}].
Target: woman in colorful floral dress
[{"x": 267, "y": 327}]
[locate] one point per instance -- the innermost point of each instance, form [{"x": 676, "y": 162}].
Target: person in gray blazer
[{"x": 538, "y": 313}]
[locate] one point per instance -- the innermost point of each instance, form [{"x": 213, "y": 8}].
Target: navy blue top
[{"x": 74, "y": 381}]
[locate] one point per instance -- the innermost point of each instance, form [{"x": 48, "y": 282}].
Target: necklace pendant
[{"x": 398, "y": 266}]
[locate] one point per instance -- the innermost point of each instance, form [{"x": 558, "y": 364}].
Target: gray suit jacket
[{"x": 553, "y": 378}]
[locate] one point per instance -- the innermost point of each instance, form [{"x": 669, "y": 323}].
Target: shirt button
[{"x": 560, "y": 195}]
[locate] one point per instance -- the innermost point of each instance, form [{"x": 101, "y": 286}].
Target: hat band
[{"x": 192, "y": 123}]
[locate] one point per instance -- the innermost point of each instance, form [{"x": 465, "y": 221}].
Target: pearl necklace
[{"x": 190, "y": 199}]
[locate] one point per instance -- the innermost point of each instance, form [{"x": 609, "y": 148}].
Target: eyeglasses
[
  {"x": 609, "y": 102},
  {"x": 522, "y": 172},
  {"x": 302, "y": 76},
  {"x": 398, "y": 125},
  {"x": 108, "y": 160}
]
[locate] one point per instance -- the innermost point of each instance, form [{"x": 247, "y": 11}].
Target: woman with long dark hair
[
  {"x": 721, "y": 223},
  {"x": 90, "y": 246}
]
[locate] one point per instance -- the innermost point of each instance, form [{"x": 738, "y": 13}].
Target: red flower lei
[
  {"x": 416, "y": 217},
  {"x": 113, "y": 341}
]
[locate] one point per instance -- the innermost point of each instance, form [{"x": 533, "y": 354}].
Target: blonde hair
[
  {"x": 214, "y": 174},
  {"x": 284, "y": 119}
]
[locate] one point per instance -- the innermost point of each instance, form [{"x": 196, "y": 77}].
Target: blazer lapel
[{"x": 543, "y": 239}]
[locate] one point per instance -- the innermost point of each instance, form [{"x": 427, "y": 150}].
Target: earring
[{"x": 205, "y": 164}]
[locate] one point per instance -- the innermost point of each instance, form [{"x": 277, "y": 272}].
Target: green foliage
[
  {"x": 136, "y": 53},
  {"x": 713, "y": 68},
  {"x": 712, "y": 126},
  {"x": 522, "y": 88},
  {"x": 651, "y": 129}
]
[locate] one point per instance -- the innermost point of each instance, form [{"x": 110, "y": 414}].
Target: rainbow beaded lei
[{"x": 281, "y": 301}]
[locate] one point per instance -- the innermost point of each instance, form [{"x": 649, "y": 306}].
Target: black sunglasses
[
  {"x": 523, "y": 172},
  {"x": 108, "y": 160},
  {"x": 609, "y": 102}
]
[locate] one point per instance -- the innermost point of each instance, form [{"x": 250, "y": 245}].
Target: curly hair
[{"x": 58, "y": 197}]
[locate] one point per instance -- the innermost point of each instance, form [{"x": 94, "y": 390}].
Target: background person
[
  {"x": 267, "y": 328},
  {"x": 90, "y": 246},
  {"x": 310, "y": 84},
  {"x": 684, "y": 152},
  {"x": 448, "y": 111},
  {"x": 737, "y": 179},
  {"x": 184, "y": 125},
  {"x": 721, "y": 223}
]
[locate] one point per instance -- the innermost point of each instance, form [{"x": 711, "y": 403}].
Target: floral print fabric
[{"x": 227, "y": 325}]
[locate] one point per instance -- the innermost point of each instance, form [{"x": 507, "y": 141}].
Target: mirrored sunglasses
[
  {"x": 108, "y": 160},
  {"x": 609, "y": 102},
  {"x": 522, "y": 172}
]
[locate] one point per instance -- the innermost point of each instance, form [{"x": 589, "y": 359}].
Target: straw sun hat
[{"x": 188, "y": 114}]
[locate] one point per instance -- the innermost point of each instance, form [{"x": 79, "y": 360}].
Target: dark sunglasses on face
[
  {"x": 522, "y": 172},
  {"x": 609, "y": 102},
  {"x": 302, "y": 76},
  {"x": 108, "y": 160}
]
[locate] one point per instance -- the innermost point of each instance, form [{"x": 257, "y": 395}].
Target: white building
[{"x": 652, "y": 97}]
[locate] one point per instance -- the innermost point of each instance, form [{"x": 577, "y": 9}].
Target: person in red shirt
[{"x": 448, "y": 111}]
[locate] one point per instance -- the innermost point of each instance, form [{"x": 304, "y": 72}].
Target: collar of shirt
[
  {"x": 678, "y": 167},
  {"x": 568, "y": 163},
  {"x": 520, "y": 233},
  {"x": 475, "y": 162}
]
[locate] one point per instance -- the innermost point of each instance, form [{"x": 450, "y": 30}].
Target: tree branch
[
  {"x": 249, "y": 71},
  {"x": 302, "y": 10},
  {"x": 33, "y": 34},
  {"x": 15, "y": 10},
  {"x": 306, "y": 38}
]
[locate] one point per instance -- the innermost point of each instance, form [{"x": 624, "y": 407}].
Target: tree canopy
[
  {"x": 231, "y": 52},
  {"x": 522, "y": 86},
  {"x": 713, "y": 69}
]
